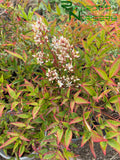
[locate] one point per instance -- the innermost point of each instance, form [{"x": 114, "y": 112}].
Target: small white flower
[
  {"x": 60, "y": 83},
  {"x": 69, "y": 67},
  {"x": 69, "y": 84}
]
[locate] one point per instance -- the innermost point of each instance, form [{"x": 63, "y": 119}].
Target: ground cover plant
[{"x": 58, "y": 83}]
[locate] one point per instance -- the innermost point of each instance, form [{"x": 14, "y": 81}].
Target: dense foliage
[{"x": 56, "y": 75}]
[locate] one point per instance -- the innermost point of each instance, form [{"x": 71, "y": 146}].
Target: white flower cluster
[
  {"x": 65, "y": 55},
  {"x": 52, "y": 75},
  {"x": 68, "y": 81},
  {"x": 65, "y": 81},
  {"x": 64, "y": 52},
  {"x": 40, "y": 30},
  {"x": 40, "y": 57}
]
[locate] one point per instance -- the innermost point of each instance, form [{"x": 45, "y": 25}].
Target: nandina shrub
[{"x": 74, "y": 88}]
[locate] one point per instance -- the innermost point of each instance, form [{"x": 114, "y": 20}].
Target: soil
[{"x": 85, "y": 153}]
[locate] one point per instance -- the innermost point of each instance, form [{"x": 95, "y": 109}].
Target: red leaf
[
  {"x": 92, "y": 147},
  {"x": 97, "y": 138},
  {"x": 107, "y": 2},
  {"x": 18, "y": 19},
  {"x": 72, "y": 105}
]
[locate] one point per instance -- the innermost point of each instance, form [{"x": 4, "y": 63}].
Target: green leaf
[
  {"x": 102, "y": 35},
  {"x": 114, "y": 144},
  {"x": 118, "y": 138},
  {"x": 15, "y": 146},
  {"x": 98, "y": 42},
  {"x": 108, "y": 105},
  {"x": 25, "y": 55},
  {"x": 59, "y": 135},
  {"x": 35, "y": 111},
  {"x": 67, "y": 154},
  {"x": 89, "y": 41},
  {"x": 88, "y": 61},
  {"x": 104, "y": 50},
  {"x": 77, "y": 94},
  {"x": 76, "y": 120},
  {"x": 58, "y": 10},
  {"x": 59, "y": 155},
  {"x": 23, "y": 138},
  {"x": 66, "y": 124},
  {"x": 96, "y": 137},
  {"x": 51, "y": 126},
  {"x": 18, "y": 94},
  {"x": 114, "y": 99},
  {"x": 86, "y": 114},
  {"x": 49, "y": 155},
  {"x": 104, "y": 93},
  {"x": 101, "y": 73},
  {"x": 19, "y": 124},
  {"x": 103, "y": 146},
  {"x": 111, "y": 134},
  {"x": 23, "y": 116},
  {"x": 15, "y": 54},
  {"x": 2, "y": 106},
  {"x": 80, "y": 100},
  {"x": 64, "y": 101},
  {"x": 54, "y": 130},
  {"x": 13, "y": 105},
  {"x": 68, "y": 137},
  {"x": 9, "y": 141},
  {"x": 11, "y": 92},
  {"x": 115, "y": 123},
  {"x": 13, "y": 134},
  {"x": 68, "y": 93},
  {"x": 21, "y": 150},
  {"x": 90, "y": 90},
  {"x": 115, "y": 67},
  {"x": 86, "y": 136},
  {"x": 49, "y": 7},
  {"x": 1, "y": 79}
]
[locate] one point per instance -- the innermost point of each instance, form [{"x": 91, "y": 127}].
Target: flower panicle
[{"x": 62, "y": 51}]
